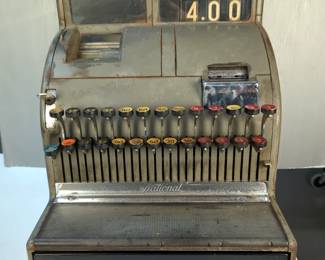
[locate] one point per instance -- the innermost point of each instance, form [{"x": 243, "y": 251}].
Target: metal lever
[
  {"x": 85, "y": 144},
  {"x": 58, "y": 113},
  {"x": 179, "y": 112},
  {"x": 188, "y": 143},
  {"x": 91, "y": 114},
  {"x": 215, "y": 111},
  {"x": 162, "y": 112},
  {"x": 102, "y": 144},
  {"x": 136, "y": 144},
  {"x": 74, "y": 114},
  {"x": 108, "y": 113},
  {"x": 233, "y": 111},
  {"x": 196, "y": 112},
  {"x": 268, "y": 112},
  {"x": 251, "y": 110},
  {"x": 143, "y": 113},
  {"x": 126, "y": 113}
]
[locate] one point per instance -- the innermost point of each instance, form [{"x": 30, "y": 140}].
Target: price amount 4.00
[{"x": 214, "y": 11}]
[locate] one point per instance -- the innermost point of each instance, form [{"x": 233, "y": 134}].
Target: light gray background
[
  {"x": 296, "y": 31},
  {"x": 20, "y": 213}
]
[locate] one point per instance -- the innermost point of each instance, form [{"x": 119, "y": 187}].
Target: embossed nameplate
[{"x": 161, "y": 192}]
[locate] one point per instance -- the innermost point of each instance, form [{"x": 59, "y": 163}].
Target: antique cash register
[{"x": 161, "y": 128}]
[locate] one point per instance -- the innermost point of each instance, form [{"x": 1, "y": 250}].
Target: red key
[
  {"x": 204, "y": 141},
  {"x": 68, "y": 142},
  {"x": 240, "y": 142},
  {"x": 259, "y": 142},
  {"x": 269, "y": 109},
  {"x": 196, "y": 110},
  {"x": 222, "y": 142},
  {"x": 216, "y": 109},
  {"x": 252, "y": 109}
]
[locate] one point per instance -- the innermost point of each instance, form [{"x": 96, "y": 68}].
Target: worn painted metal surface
[{"x": 112, "y": 192}]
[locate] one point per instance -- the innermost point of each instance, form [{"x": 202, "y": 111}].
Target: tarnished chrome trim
[
  {"x": 161, "y": 192},
  {"x": 45, "y": 121},
  {"x": 259, "y": 11}
]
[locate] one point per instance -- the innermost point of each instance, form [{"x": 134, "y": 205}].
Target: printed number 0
[
  {"x": 234, "y": 11},
  {"x": 216, "y": 15},
  {"x": 235, "y": 5}
]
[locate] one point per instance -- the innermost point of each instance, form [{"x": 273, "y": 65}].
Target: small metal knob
[
  {"x": 153, "y": 143},
  {"x": 73, "y": 113},
  {"x": 90, "y": 112},
  {"x": 85, "y": 144},
  {"x": 170, "y": 142},
  {"x": 162, "y": 111},
  {"x": 136, "y": 143},
  {"x": 118, "y": 143},
  {"x": 188, "y": 142},
  {"x": 143, "y": 111},
  {"x": 102, "y": 144},
  {"x": 178, "y": 111},
  {"x": 57, "y": 113},
  {"x": 125, "y": 112},
  {"x": 108, "y": 112}
]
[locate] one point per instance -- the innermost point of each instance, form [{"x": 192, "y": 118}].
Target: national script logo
[{"x": 163, "y": 188}]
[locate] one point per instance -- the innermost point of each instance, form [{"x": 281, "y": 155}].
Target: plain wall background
[{"x": 294, "y": 26}]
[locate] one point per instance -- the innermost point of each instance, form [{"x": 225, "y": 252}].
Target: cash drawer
[{"x": 161, "y": 256}]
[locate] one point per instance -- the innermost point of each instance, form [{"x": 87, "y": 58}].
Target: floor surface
[{"x": 23, "y": 196}]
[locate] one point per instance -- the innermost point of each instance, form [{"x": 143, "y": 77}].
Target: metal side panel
[
  {"x": 200, "y": 45},
  {"x": 128, "y": 91},
  {"x": 161, "y": 256}
]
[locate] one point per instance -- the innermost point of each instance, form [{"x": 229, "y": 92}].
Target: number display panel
[
  {"x": 204, "y": 10},
  {"x": 108, "y": 11}
]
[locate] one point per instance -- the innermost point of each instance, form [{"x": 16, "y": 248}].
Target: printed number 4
[{"x": 192, "y": 12}]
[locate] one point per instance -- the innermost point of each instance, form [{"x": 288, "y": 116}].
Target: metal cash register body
[{"x": 161, "y": 129}]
